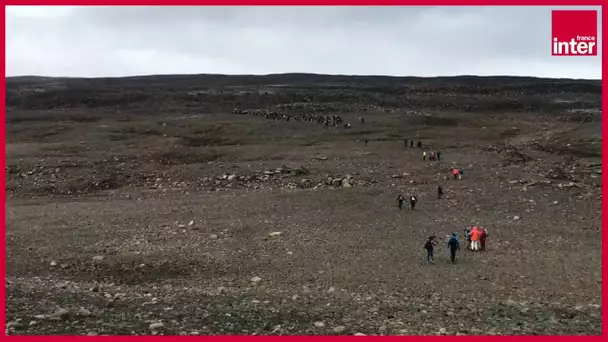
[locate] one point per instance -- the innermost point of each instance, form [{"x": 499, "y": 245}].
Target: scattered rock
[
  {"x": 14, "y": 325},
  {"x": 156, "y": 326},
  {"x": 274, "y": 234},
  {"x": 61, "y": 314},
  {"x": 339, "y": 329},
  {"x": 84, "y": 312},
  {"x": 319, "y": 324},
  {"x": 256, "y": 279},
  {"x": 98, "y": 258}
]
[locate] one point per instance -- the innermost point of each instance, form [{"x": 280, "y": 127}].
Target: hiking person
[
  {"x": 430, "y": 249},
  {"x": 411, "y": 143},
  {"x": 483, "y": 234},
  {"x": 400, "y": 200},
  {"x": 362, "y": 120},
  {"x": 475, "y": 239},
  {"x": 460, "y": 172},
  {"x": 467, "y": 236},
  {"x": 365, "y": 142},
  {"x": 439, "y": 191},
  {"x": 405, "y": 143},
  {"x": 419, "y": 144},
  {"x": 424, "y": 155},
  {"x": 413, "y": 201},
  {"x": 453, "y": 245},
  {"x": 455, "y": 172},
  {"x": 438, "y": 155}
]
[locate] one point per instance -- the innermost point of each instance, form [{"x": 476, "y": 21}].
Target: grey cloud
[{"x": 421, "y": 41}]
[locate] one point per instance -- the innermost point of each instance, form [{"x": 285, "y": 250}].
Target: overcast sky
[{"x": 418, "y": 41}]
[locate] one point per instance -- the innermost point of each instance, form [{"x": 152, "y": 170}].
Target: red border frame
[{"x": 552, "y": 3}]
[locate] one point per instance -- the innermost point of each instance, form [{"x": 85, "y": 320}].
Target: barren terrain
[{"x": 148, "y": 205}]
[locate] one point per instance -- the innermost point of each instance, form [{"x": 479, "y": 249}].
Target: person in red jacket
[{"x": 455, "y": 172}]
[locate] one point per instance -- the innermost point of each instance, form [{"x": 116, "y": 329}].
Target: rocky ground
[{"x": 146, "y": 206}]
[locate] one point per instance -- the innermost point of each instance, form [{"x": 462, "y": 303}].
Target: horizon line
[{"x": 303, "y": 73}]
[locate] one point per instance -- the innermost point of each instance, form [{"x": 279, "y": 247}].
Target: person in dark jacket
[
  {"x": 405, "y": 143},
  {"x": 413, "y": 201},
  {"x": 400, "y": 200},
  {"x": 411, "y": 143},
  {"x": 467, "y": 236},
  {"x": 453, "y": 245},
  {"x": 483, "y": 235},
  {"x": 438, "y": 155},
  {"x": 439, "y": 191},
  {"x": 430, "y": 248}
]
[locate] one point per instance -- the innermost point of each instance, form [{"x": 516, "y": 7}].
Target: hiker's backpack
[{"x": 453, "y": 241}]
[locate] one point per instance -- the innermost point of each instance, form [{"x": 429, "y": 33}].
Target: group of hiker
[
  {"x": 401, "y": 199},
  {"x": 475, "y": 237},
  {"x": 433, "y": 156},
  {"x": 411, "y": 142},
  {"x": 457, "y": 172},
  {"x": 453, "y": 246}
]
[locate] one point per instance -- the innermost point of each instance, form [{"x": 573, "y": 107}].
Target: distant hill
[
  {"x": 298, "y": 79},
  {"x": 220, "y": 93}
]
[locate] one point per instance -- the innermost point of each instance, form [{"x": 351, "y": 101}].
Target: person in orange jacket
[{"x": 475, "y": 239}]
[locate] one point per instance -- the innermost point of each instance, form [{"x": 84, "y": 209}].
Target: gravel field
[{"x": 179, "y": 206}]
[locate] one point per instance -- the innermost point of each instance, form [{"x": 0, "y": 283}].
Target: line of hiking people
[
  {"x": 475, "y": 237},
  {"x": 327, "y": 120}
]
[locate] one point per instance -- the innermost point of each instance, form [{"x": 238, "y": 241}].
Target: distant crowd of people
[{"x": 327, "y": 120}]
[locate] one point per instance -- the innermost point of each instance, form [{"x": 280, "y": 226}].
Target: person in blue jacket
[{"x": 453, "y": 245}]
